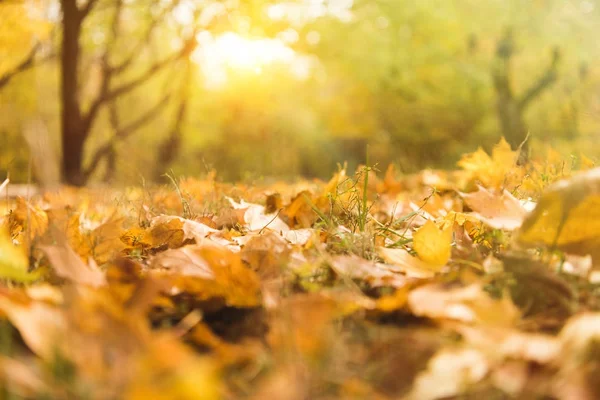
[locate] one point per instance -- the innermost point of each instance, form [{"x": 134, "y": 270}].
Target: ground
[{"x": 473, "y": 283}]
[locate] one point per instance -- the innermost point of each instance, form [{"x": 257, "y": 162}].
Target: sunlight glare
[{"x": 233, "y": 53}]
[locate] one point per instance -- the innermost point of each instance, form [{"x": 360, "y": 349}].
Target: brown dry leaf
[
  {"x": 499, "y": 211},
  {"x": 41, "y": 325},
  {"x": 299, "y": 213},
  {"x": 135, "y": 237},
  {"x": 106, "y": 240},
  {"x": 567, "y": 216},
  {"x": 410, "y": 265},
  {"x": 27, "y": 216},
  {"x": 469, "y": 304},
  {"x": 167, "y": 232},
  {"x": 433, "y": 245},
  {"x": 211, "y": 271},
  {"x": 273, "y": 203},
  {"x": 375, "y": 274},
  {"x": 267, "y": 254},
  {"x": 173, "y": 231},
  {"x": 67, "y": 264},
  {"x": 185, "y": 261}
]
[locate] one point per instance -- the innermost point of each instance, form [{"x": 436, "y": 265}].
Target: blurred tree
[
  {"x": 510, "y": 108},
  {"x": 171, "y": 146},
  {"x": 77, "y": 123},
  {"x": 20, "y": 35}
]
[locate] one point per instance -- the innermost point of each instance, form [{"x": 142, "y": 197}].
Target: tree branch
[
  {"x": 542, "y": 84},
  {"x": 123, "y": 133},
  {"x": 24, "y": 65},
  {"x": 129, "y": 86},
  {"x": 117, "y": 69},
  {"x": 83, "y": 12}
]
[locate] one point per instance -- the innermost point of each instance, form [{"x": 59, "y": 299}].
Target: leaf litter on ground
[{"x": 476, "y": 283}]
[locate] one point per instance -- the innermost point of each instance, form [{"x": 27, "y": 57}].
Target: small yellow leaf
[
  {"x": 13, "y": 261},
  {"x": 432, "y": 244},
  {"x": 586, "y": 162}
]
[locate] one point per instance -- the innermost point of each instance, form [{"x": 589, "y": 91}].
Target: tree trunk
[{"x": 72, "y": 124}]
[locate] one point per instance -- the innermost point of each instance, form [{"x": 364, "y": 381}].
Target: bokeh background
[{"x": 284, "y": 89}]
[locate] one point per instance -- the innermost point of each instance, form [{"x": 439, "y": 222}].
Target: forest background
[{"x": 124, "y": 90}]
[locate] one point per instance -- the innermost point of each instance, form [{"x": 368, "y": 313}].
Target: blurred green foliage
[{"x": 413, "y": 80}]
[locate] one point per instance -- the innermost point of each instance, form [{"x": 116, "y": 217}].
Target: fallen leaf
[
  {"x": 41, "y": 325},
  {"x": 106, "y": 240},
  {"x": 410, "y": 265},
  {"x": 567, "y": 216},
  {"x": 67, "y": 264},
  {"x": 14, "y": 264},
  {"x": 469, "y": 304},
  {"x": 375, "y": 274},
  {"x": 496, "y": 170},
  {"x": 499, "y": 211},
  {"x": 432, "y": 244},
  {"x": 22, "y": 378},
  {"x": 211, "y": 271},
  {"x": 28, "y": 217},
  {"x": 449, "y": 373},
  {"x": 267, "y": 254}
]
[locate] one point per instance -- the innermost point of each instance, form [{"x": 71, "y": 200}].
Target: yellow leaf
[
  {"x": 586, "y": 162},
  {"x": 567, "y": 216},
  {"x": 13, "y": 261},
  {"x": 495, "y": 171},
  {"x": 30, "y": 217},
  {"x": 432, "y": 244},
  {"x": 406, "y": 263}
]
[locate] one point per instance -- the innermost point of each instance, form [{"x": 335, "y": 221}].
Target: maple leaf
[
  {"x": 28, "y": 217},
  {"x": 496, "y": 170}
]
